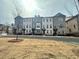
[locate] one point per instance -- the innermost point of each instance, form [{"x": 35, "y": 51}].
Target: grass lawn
[{"x": 37, "y": 49}]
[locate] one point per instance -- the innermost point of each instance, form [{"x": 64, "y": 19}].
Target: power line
[{"x": 76, "y": 6}]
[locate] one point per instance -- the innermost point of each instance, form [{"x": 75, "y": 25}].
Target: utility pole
[{"x": 76, "y": 6}]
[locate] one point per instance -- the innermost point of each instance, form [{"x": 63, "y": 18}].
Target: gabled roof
[
  {"x": 59, "y": 14},
  {"x": 69, "y": 17},
  {"x": 18, "y": 17},
  {"x": 72, "y": 17}
]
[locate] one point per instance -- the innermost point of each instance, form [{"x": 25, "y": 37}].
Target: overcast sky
[{"x": 9, "y": 9}]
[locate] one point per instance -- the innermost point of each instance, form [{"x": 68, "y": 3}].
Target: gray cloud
[{"x": 10, "y": 8}]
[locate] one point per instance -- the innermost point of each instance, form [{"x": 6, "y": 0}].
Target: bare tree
[
  {"x": 18, "y": 14},
  {"x": 43, "y": 29},
  {"x": 7, "y": 29},
  {"x": 55, "y": 31},
  {"x": 33, "y": 31}
]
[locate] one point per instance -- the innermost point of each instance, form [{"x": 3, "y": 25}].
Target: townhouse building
[
  {"x": 27, "y": 25},
  {"x": 59, "y": 24},
  {"x": 41, "y": 25},
  {"x": 47, "y": 24}
]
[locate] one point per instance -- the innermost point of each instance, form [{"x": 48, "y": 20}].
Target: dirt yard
[{"x": 37, "y": 49}]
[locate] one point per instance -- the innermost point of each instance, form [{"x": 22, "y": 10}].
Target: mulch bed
[{"x": 15, "y": 40}]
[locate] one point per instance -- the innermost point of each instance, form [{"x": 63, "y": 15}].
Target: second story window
[
  {"x": 27, "y": 26},
  {"x": 38, "y": 25},
  {"x": 47, "y": 26},
  {"x": 61, "y": 26}
]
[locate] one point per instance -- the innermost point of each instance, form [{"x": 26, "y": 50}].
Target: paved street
[{"x": 74, "y": 40}]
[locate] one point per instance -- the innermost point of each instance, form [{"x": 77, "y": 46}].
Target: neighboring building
[
  {"x": 10, "y": 29},
  {"x": 59, "y": 23},
  {"x": 72, "y": 26},
  {"x": 41, "y": 25},
  {"x": 47, "y": 24},
  {"x": 5, "y": 29}
]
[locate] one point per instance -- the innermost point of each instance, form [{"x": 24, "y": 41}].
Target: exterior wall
[
  {"x": 72, "y": 26},
  {"x": 27, "y": 25},
  {"x": 19, "y": 21},
  {"x": 59, "y": 24},
  {"x": 47, "y": 23},
  {"x": 78, "y": 22},
  {"x": 37, "y": 24}
]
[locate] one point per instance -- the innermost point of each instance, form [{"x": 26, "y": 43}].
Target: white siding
[
  {"x": 47, "y": 23},
  {"x": 27, "y": 23}
]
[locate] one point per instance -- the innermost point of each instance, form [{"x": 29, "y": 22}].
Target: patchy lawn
[{"x": 37, "y": 49}]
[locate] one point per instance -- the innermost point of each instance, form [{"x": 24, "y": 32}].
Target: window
[
  {"x": 38, "y": 30},
  {"x": 38, "y": 25},
  {"x": 29, "y": 30},
  {"x": 47, "y": 26},
  {"x": 59, "y": 32},
  {"x": 27, "y": 26},
  {"x": 61, "y": 26},
  {"x": 50, "y": 26},
  {"x": 47, "y": 20},
  {"x": 74, "y": 26},
  {"x": 51, "y": 31},
  {"x": 70, "y": 30},
  {"x": 47, "y": 31},
  {"x": 61, "y": 19},
  {"x": 26, "y": 30}
]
